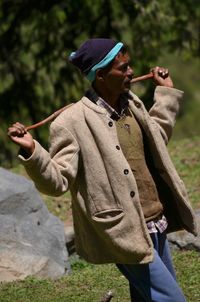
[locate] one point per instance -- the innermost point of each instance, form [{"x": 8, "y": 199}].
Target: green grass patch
[
  {"x": 87, "y": 283},
  {"x": 187, "y": 264},
  {"x": 185, "y": 154},
  {"x": 90, "y": 282}
]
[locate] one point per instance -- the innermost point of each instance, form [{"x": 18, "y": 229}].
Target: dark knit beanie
[{"x": 94, "y": 54}]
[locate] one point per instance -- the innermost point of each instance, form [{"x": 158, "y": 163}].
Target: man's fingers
[
  {"x": 16, "y": 129},
  {"x": 163, "y": 72},
  {"x": 20, "y": 126},
  {"x": 160, "y": 71},
  {"x": 161, "y": 76}
]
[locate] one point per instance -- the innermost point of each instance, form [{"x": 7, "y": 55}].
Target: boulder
[
  {"x": 32, "y": 240},
  {"x": 183, "y": 240}
]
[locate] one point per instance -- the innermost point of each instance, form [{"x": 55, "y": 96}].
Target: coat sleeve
[
  {"x": 164, "y": 111},
  {"x": 53, "y": 172}
]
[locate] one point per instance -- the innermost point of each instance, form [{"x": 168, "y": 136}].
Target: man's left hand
[{"x": 161, "y": 76}]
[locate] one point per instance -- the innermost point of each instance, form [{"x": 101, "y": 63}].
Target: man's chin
[
  {"x": 127, "y": 84},
  {"x": 127, "y": 87}
]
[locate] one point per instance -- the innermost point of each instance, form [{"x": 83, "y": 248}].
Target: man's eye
[{"x": 124, "y": 68}]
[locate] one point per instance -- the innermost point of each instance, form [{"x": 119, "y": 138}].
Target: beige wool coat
[{"x": 85, "y": 158}]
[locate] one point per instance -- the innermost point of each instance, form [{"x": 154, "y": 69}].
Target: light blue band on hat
[
  {"x": 104, "y": 62},
  {"x": 72, "y": 55}
]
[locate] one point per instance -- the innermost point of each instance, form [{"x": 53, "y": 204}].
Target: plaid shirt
[
  {"x": 111, "y": 112},
  {"x": 155, "y": 225}
]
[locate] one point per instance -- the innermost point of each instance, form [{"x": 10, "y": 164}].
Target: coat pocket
[{"x": 110, "y": 215}]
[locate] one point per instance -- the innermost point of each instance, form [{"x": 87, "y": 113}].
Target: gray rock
[
  {"x": 183, "y": 240},
  {"x": 32, "y": 240},
  {"x": 70, "y": 239}
]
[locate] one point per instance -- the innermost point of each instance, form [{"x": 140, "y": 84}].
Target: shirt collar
[{"x": 111, "y": 112}]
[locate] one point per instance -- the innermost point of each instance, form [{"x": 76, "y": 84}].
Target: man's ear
[{"x": 100, "y": 75}]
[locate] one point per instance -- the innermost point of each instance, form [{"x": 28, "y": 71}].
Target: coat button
[
  {"x": 110, "y": 124},
  {"x": 126, "y": 171},
  {"x": 118, "y": 147},
  {"x": 132, "y": 193},
  {"x": 138, "y": 105}
]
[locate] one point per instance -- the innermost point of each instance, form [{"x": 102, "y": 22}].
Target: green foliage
[{"x": 36, "y": 38}]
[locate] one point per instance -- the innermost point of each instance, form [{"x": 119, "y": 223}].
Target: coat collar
[
  {"x": 134, "y": 103},
  {"x": 95, "y": 102}
]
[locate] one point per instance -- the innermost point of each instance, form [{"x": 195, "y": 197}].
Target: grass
[
  {"x": 185, "y": 154},
  {"x": 87, "y": 283},
  {"x": 188, "y": 273},
  {"x": 90, "y": 282}
]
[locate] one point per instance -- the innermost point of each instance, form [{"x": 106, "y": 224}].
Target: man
[{"x": 111, "y": 154}]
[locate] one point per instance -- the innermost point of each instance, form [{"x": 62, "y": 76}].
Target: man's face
[{"x": 118, "y": 76}]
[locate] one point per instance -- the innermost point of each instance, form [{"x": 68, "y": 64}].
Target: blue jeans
[{"x": 156, "y": 281}]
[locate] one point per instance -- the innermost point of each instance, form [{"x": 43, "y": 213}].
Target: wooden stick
[
  {"x": 142, "y": 78},
  {"x": 56, "y": 113},
  {"x": 49, "y": 118}
]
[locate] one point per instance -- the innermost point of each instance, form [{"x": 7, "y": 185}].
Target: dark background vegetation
[{"x": 36, "y": 38}]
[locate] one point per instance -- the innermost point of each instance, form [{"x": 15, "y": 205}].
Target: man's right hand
[{"x": 18, "y": 134}]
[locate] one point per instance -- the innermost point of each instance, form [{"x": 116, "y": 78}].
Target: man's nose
[{"x": 130, "y": 72}]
